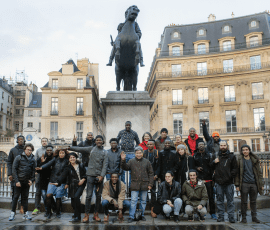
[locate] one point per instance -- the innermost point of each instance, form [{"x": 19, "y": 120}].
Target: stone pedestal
[{"x": 122, "y": 106}]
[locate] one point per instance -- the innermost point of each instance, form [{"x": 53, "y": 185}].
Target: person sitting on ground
[
  {"x": 58, "y": 165},
  {"x": 167, "y": 159},
  {"x": 192, "y": 141},
  {"x": 203, "y": 160},
  {"x": 178, "y": 141},
  {"x": 142, "y": 179},
  {"x": 145, "y": 138},
  {"x": 160, "y": 141},
  {"x": 74, "y": 178},
  {"x": 113, "y": 195},
  {"x": 194, "y": 195},
  {"x": 249, "y": 181},
  {"x": 23, "y": 172},
  {"x": 168, "y": 201}
]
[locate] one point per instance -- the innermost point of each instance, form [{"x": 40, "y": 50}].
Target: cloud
[
  {"x": 95, "y": 24},
  {"x": 57, "y": 35},
  {"x": 24, "y": 40}
]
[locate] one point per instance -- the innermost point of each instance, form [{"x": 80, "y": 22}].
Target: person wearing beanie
[
  {"x": 213, "y": 141},
  {"x": 192, "y": 141},
  {"x": 160, "y": 141},
  {"x": 96, "y": 171},
  {"x": 249, "y": 181}
]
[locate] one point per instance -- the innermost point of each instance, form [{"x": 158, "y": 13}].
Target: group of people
[{"x": 176, "y": 178}]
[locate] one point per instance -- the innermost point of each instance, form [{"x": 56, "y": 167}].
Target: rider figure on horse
[{"x": 119, "y": 28}]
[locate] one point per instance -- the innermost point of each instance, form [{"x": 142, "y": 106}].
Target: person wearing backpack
[{"x": 225, "y": 166}]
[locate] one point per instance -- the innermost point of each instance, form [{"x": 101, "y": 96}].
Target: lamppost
[{"x": 266, "y": 139}]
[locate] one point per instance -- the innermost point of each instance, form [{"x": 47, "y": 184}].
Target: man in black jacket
[
  {"x": 167, "y": 159},
  {"x": 226, "y": 168},
  {"x": 202, "y": 161},
  {"x": 151, "y": 154},
  {"x": 160, "y": 141},
  {"x": 23, "y": 171}
]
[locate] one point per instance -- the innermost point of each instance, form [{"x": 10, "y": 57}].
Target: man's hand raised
[
  {"x": 123, "y": 155},
  {"x": 74, "y": 138}
]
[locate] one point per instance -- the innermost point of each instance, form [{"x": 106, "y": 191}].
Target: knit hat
[
  {"x": 164, "y": 130},
  {"x": 215, "y": 134},
  {"x": 128, "y": 122},
  {"x": 245, "y": 146},
  {"x": 181, "y": 147}
]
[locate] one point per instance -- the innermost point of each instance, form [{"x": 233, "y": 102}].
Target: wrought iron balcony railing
[
  {"x": 79, "y": 112},
  {"x": 54, "y": 113},
  {"x": 229, "y": 99},
  {"x": 203, "y": 101},
  {"x": 177, "y": 102},
  {"x": 256, "y": 97}
]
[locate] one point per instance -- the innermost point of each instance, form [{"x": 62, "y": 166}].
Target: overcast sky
[{"x": 39, "y": 36}]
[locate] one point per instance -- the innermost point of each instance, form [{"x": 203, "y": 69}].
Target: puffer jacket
[
  {"x": 142, "y": 174},
  {"x": 14, "y": 152},
  {"x": 70, "y": 177},
  {"x": 167, "y": 161},
  {"x": 58, "y": 165},
  {"x": 194, "y": 196},
  {"x": 86, "y": 143},
  {"x": 114, "y": 161},
  {"x": 163, "y": 192},
  {"x": 98, "y": 159},
  {"x": 23, "y": 168},
  {"x": 203, "y": 160},
  {"x": 45, "y": 174},
  {"x": 226, "y": 169},
  {"x": 256, "y": 170}
]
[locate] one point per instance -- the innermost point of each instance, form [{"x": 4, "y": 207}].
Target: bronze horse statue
[{"x": 127, "y": 51}]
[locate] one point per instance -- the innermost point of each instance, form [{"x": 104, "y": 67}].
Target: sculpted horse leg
[
  {"x": 134, "y": 77},
  {"x": 119, "y": 77}
]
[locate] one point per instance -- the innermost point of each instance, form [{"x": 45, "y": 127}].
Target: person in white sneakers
[{"x": 23, "y": 170}]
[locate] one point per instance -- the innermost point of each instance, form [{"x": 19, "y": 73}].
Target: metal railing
[
  {"x": 203, "y": 101},
  {"x": 54, "y": 113},
  {"x": 177, "y": 102},
  {"x": 257, "y": 97},
  {"x": 229, "y": 99},
  {"x": 79, "y": 112}
]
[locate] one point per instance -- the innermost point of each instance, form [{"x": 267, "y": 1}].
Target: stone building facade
[
  {"x": 70, "y": 102},
  {"x": 218, "y": 71}
]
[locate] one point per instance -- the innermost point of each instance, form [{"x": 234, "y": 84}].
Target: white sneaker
[
  {"x": 26, "y": 216},
  {"x": 12, "y": 216}
]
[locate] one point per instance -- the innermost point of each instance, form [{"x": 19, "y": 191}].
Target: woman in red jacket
[{"x": 145, "y": 138}]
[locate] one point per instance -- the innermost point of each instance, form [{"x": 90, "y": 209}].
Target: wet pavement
[{"x": 39, "y": 222}]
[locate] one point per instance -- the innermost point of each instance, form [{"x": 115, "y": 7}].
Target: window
[
  {"x": 201, "y": 49},
  {"x": 257, "y": 91},
  {"x": 8, "y": 98},
  {"x": 23, "y": 101},
  {"x": 39, "y": 127},
  {"x": 79, "y": 130},
  {"x": 227, "y": 46},
  {"x": 17, "y": 111},
  {"x": 228, "y": 66},
  {"x": 203, "y": 96},
  {"x": 17, "y": 125},
  {"x": 255, "y": 62},
  {"x": 80, "y": 83},
  {"x": 177, "y": 97},
  {"x": 253, "y": 24},
  {"x": 2, "y": 107},
  {"x": 226, "y": 28},
  {"x": 79, "y": 106},
  {"x": 3, "y": 95},
  {"x": 229, "y": 93},
  {"x": 236, "y": 146},
  {"x": 17, "y": 101},
  {"x": 30, "y": 124},
  {"x": 266, "y": 144},
  {"x": 231, "y": 121},
  {"x": 7, "y": 110},
  {"x": 201, "y": 32},
  {"x": 55, "y": 83},
  {"x": 176, "y": 70},
  {"x": 204, "y": 116},
  {"x": 54, "y": 130},
  {"x": 259, "y": 119},
  {"x": 255, "y": 143},
  {"x": 1, "y": 125},
  {"x": 175, "y": 34},
  {"x": 54, "y": 110},
  {"x": 202, "y": 68},
  {"x": 254, "y": 41},
  {"x": 30, "y": 113},
  {"x": 176, "y": 50},
  {"x": 177, "y": 123}
]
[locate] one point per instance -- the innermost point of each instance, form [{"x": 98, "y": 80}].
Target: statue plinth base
[{"x": 122, "y": 106}]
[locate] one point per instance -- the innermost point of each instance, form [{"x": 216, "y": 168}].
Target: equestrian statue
[{"x": 127, "y": 51}]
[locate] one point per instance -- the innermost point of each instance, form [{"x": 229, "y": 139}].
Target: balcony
[
  {"x": 177, "y": 102},
  {"x": 79, "y": 113},
  {"x": 54, "y": 113},
  {"x": 39, "y": 130},
  {"x": 257, "y": 97},
  {"x": 203, "y": 101},
  {"x": 229, "y": 99}
]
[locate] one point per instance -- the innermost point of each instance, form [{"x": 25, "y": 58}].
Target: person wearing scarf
[
  {"x": 145, "y": 138},
  {"x": 113, "y": 195},
  {"x": 192, "y": 141}
]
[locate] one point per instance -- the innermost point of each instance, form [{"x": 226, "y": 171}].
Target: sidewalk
[{"x": 40, "y": 222}]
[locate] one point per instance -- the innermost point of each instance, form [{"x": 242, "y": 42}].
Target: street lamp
[{"x": 266, "y": 138}]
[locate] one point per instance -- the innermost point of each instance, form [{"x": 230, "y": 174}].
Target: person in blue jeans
[
  {"x": 113, "y": 194},
  {"x": 142, "y": 180}
]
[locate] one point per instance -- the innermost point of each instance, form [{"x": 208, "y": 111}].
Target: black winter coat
[
  {"x": 160, "y": 145},
  {"x": 154, "y": 160},
  {"x": 85, "y": 143},
  {"x": 58, "y": 165},
  {"x": 114, "y": 161},
  {"x": 70, "y": 177},
  {"x": 164, "y": 194},
  {"x": 226, "y": 169},
  {"x": 23, "y": 168},
  {"x": 203, "y": 160},
  {"x": 14, "y": 152},
  {"x": 167, "y": 162},
  {"x": 45, "y": 174}
]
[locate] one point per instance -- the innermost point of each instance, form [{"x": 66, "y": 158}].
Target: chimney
[
  {"x": 232, "y": 15},
  {"x": 211, "y": 18}
]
